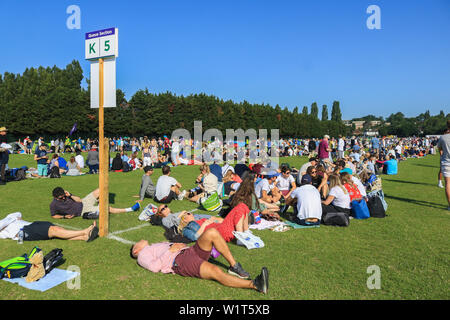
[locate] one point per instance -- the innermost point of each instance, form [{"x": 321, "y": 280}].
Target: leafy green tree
[
  {"x": 324, "y": 112},
  {"x": 336, "y": 114},
  {"x": 314, "y": 111}
]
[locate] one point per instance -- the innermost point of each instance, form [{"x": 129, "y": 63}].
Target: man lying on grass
[
  {"x": 67, "y": 206},
  {"x": 192, "y": 261},
  {"x": 11, "y": 225}
]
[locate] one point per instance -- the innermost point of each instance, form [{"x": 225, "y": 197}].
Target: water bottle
[{"x": 20, "y": 237}]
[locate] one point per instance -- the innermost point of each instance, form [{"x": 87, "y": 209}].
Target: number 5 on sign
[{"x": 102, "y": 44}]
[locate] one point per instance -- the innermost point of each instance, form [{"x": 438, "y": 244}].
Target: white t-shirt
[
  {"x": 360, "y": 186},
  {"x": 305, "y": 167},
  {"x": 340, "y": 198},
  {"x": 80, "y": 160},
  {"x": 210, "y": 182},
  {"x": 341, "y": 145},
  {"x": 309, "y": 204},
  {"x": 11, "y": 225},
  {"x": 263, "y": 185},
  {"x": 163, "y": 186},
  {"x": 283, "y": 183},
  {"x": 175, "y": 146},
  {"x": 444, "y": 145}
]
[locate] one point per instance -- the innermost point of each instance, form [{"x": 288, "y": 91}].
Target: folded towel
[
  {"x": 298, "y": 226},
  {"x": 52, "y": 279}
]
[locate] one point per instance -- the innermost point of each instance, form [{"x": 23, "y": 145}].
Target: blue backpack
[{"x": 360, "y": 209}]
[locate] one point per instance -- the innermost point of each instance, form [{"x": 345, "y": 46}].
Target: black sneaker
[
  {"x": 238, "y": 271},
  {"x": 261, "y": 282}
]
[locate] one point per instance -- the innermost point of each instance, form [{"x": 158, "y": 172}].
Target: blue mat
[
  {"x": 54, "y": 278},
  {"x": 298, "y": 226}
]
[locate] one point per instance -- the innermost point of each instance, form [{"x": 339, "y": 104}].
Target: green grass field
[{"x": 410, "y": 246}]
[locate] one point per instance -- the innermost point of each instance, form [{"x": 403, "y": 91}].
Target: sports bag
[
  {"x": 53, "y": 259},
  {"x": 249, "y": 239},
  {"x": 17, "y": 267},
  {"x": 360, "y": 209},
  {"x": 211, "y": 203}
]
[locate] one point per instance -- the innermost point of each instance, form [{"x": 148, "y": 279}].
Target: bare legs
[
  {"x": 210, "y": 238},
  {"x": 61, "y": 233}
]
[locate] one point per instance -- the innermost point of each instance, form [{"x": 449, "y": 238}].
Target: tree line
[{"x": 48, "y": 101}]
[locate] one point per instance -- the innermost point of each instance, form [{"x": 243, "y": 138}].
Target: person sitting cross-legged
[
  {"x": 306, "y": 199},
  {"x": 193, "y": 261}
]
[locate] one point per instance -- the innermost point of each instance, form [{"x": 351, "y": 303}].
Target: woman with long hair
[
  {"x": 246, "y": 194},
  {"x": 236, "y": 220},
  {"x": 350, "y": 186},
  {"x": 338, "y": 199}
]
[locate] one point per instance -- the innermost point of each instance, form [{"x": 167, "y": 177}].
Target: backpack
[
  {"x": 172, "y": 235},
  {"x": 379, "y": 193},
  {"x": 20, "y": 175},
  {"x": 54, "y": 172},
  {"x": 126, "y": 167},
  {"x": 339, "y": 219},
  {"x": 375, "y": 206},
  {"x": 156, "y": 220},
  {"x": 52, "y": 259},
  {"x": 17, "y": 267}
]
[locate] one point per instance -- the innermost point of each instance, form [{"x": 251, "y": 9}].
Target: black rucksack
[
  {"x": 375, "y": 206},
  {"x": 172, "y": 235},
  {"x": 54, "y": 172},
  {"x": 20, "y": 175},
  {"x": 53, "y": 259},
  {"x": 339, "y": 219}
]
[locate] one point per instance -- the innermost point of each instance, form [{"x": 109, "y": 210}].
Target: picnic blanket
[
  {"x": 265, "y": 224},
  {"x": 54, "y": 278},
  {"x": 299, "y": 226}
]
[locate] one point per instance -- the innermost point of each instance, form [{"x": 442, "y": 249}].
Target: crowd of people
[{"x": 338, "y": 172}]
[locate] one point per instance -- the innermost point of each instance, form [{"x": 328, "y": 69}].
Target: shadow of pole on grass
[
  {"x": 418, "y": 202},
  {"x": 410, "y": 182},
  {"x": 425, "y": 165},
  {"x": 112, "y": 198}
]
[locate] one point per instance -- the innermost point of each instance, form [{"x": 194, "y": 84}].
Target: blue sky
[{"x": 290, "y": 53}]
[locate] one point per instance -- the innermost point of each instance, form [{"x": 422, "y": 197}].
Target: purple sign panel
[{"x": 100, "y": 33}]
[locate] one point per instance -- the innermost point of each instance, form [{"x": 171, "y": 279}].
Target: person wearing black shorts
[{"x": 43, "y": 230}]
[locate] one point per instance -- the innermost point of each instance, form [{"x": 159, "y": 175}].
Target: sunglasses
[{"x": 314, "y": 171}]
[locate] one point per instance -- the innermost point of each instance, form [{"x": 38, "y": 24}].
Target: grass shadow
[
  {"x": 410, "y": 182},
  {"x": 418, "y": 202},
  {"x": 424, "y": 165},
  {"x": 112, "y": 198}
]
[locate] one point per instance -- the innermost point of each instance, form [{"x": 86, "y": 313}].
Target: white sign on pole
[
  {"x": 109, "y": 83},
  {"x": 103, "y": 44}
]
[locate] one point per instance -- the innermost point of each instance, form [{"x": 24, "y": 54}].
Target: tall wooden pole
[{"x": 104, "y": 161}]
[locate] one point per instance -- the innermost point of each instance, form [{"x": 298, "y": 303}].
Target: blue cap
[{"x": 306, "y": 179}]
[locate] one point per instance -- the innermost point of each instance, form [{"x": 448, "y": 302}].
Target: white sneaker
[
  {"x": 181, "y": 195},
  {"x": 440, "y": 184}
]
